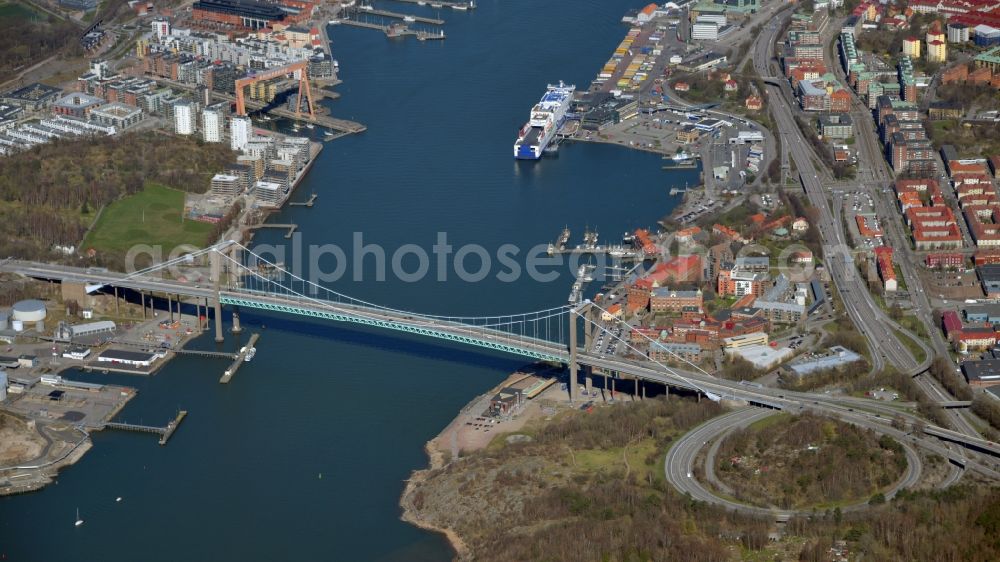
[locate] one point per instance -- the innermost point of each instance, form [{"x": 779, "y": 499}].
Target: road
[
  {"x": 678, "y": 466},
  {"x": 863, "y": 311},
  {"x": 861, "y": 307},
  {"x": 848, "y": 409},
  {"x": 876, "y": 177}
]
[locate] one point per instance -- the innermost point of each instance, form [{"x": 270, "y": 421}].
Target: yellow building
[
  {"x": 745, "y": 340},
  {"x": 911, "y": 47},
  {"x": 937, "y": 51}
]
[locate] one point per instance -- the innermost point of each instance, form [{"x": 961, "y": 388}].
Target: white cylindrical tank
[
  {"x": 30, "y": 310},
  {"x": 18, "y": 325}
]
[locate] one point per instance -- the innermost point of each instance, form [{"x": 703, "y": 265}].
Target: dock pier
[
  {"x": 395, "y": 30},
  {"x": 619, "y": 252},
  {"x": 398, "y": 16},
  {"x": 172, "y": 427},
  {"x": 164, "y": 432},
  {"x": 689, "y": 164},
  {"x": 441, "y": 4},
  {"x": 240, "y": 359},
  {"x": 198, "y": 352},
  {"x": 309, "y": 203},
  {"x": 290, "y": 227}
]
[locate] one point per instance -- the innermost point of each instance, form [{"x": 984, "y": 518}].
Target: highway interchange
[{"x": 679, "y": 466}]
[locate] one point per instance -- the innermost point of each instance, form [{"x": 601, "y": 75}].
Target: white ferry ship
[{"x": 546, "y": 118}]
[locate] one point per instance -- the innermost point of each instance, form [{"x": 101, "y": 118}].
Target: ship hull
[{"x": 546, "y": 118}]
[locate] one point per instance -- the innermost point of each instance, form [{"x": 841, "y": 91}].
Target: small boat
[
  {"x": 436, "y": 5},
  {"x": 421, "y": 3},
  {"x": 118, "y": 499},
  {"x": 265, "y": 117},
  {"x": 309, "y": 126},
  {"x": 250, "y": 353},
  {"x": 78, "y": 520},
  {"x": 367, "y": 8},
  {"x": 462, "y": 7},
  {"x": 334, "y": 22},
  {"x": 410, "y": 19}
]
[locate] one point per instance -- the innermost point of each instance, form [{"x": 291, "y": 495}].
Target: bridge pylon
[
  {"x": 582, "y": 310},
  {"x": 215, "y": 270}
]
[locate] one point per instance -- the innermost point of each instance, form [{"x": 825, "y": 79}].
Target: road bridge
[{"x": 242, "y": 279}]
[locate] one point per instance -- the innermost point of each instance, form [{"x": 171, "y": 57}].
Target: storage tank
[
  {"x": 18, "y": 325},
  {"x": 30, "y": 310}
]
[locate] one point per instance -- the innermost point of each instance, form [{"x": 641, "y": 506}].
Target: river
[{"x": 304, "y": 455}]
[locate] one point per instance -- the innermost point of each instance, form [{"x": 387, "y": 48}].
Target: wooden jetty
[
  {"x": 240, "y": 359},
  {"x": 290, "y": 227},
  {"x": 164, "y": 432},
  {"x": 309, "y": 203}
]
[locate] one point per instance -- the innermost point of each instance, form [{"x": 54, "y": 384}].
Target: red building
[
  {"x": 945, "y": 260},
  {"x": 638, "y": 294}
]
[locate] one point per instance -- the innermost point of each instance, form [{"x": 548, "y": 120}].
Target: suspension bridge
[{"x": 240, "y": 278}]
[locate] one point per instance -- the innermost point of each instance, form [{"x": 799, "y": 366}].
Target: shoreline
[
  {"x": 410, "y": 513},
  {"x": 448, "y": 441},
  {"x": 437, "y": 460}
]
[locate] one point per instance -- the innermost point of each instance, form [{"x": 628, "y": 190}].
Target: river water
[{"x": 304, "y": 455}]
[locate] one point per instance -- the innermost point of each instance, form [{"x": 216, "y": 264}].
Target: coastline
[
  {"x": 411, "y": 513},
  {"x": 437, "y": 450},
  {"x": 462, "y": 435}
]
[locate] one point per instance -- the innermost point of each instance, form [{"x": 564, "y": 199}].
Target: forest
[
  {"x": 573, "y": 491},
  {"x": 49, "y": 194},
  {"x": 798, "y": 462},
  {"x": 25, "y": 41}
]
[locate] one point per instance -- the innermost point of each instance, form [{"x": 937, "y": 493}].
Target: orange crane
[{"x": 301, "y": 66}]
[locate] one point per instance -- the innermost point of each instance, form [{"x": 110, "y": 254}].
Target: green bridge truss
[{"x": 484, "y": 342}]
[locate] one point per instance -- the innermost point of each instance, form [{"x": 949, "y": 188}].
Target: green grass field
[{"x": 152, "y": 216}]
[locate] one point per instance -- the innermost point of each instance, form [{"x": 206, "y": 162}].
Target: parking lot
[{"x": 607, "y": 341}]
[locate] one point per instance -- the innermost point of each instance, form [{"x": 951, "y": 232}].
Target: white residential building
[
  {"x": 239, "y": 132},
  {"x": 184, "y": 119},
  {"x": 161, "y": 28},
  {"x": 213, "y": 125}
]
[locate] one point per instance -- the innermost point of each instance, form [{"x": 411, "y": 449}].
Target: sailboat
[{"x": 78, "y": 520}]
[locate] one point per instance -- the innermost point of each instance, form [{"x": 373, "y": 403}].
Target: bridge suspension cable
[
  {"x": 360, "y": 302},
  {"x": 532, "y": 327}
]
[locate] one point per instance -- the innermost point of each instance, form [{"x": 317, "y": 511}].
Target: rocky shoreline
[
  {"x": 411, "y": 513},
  {"x": 444, "y": 449}
]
